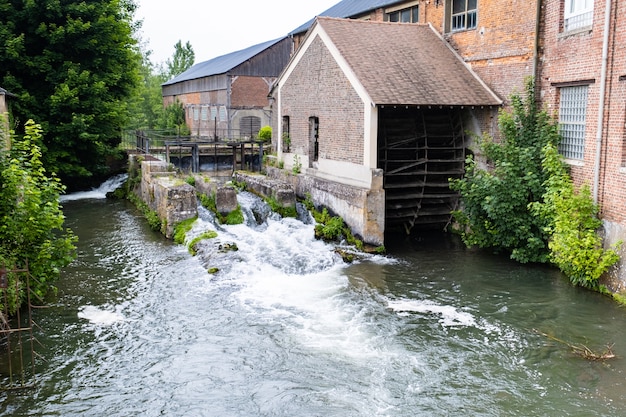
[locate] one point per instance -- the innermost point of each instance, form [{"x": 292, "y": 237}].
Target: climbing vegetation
[
  {"x": 32, "y": 233},
  {"x": 523, "y": 201}
]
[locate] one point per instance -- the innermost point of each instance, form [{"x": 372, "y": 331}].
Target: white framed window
[
  {"x": 572, "y": 121},
  {"x": 405, "y": 15},
  {"x": 196, "y": 113},
  {"x": 578, "y": 14},
  {"x": 213, "y": 112},
  {"x": 464, "y": 14},
  {"x": 204, "y": 115}
]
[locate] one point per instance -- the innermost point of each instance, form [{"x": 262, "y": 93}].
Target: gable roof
[
  {"x": 346, "y": 9},
  {"x": 222, "y": 64},
  {"x": 405, "y": 64}
]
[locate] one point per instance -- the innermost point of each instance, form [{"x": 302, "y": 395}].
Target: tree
[
  {"x": 496, "y": 200},
  {"x": 182, "y": 59},
  {"x": 525, "y": 202},
  {"x": 31, "y": 220},
  {"x": 73, "y": 66}
]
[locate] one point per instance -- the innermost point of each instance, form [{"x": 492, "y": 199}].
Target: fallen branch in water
[{"x": 582, "y": 350}]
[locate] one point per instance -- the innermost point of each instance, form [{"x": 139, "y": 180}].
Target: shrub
[{"x": 265, "y": 134}]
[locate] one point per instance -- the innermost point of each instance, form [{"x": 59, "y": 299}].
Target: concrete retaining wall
[{"x": 362, "y": 209}]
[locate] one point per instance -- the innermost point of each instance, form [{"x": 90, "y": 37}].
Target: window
[
  {"x": 204, "y": 114},
  {"x": 408, "y": 15},
  {"x": 286, "y": 135},
  {"x": 463, "y": 14},
  {"x": 196, "y": 113},
  {"x": 578, "y": 14},
  {"x": 314, "y": 135},
  {"x": 572, "y": 114}
]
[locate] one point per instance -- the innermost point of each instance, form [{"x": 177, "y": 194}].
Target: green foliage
[
  {"x": 154, "y": 221},
  {"x": 31, "y": 219},
  {"x": 74, "y": 65},
  {"x": 265, "y": 134},
  {"x": 575, "y": 246},
  {"x": 234, "y": 217},
  {"x": 297, "y": 165},
  {"x": 191, "y": 180},
  {"x": 209, "y": 234},
  {"x": 181, "y": 229},
  {"x": 331, "y": 229},
  {"x": 495, "y": 211},
  {"x": 526, "y": 203},
  {"x": 289, "y": 211},
  {"x": 208, "y": 202},
  {"x": 182, "y": 60}
]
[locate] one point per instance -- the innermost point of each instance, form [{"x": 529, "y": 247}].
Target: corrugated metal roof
[
  {"x": 348, "y": 8},
  {"x": 222, "y": 64},
  {"x": 401, "y": 63}
]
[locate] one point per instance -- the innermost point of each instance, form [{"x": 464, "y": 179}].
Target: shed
[
  {"x": 360, "y": 96},
  {"x": 226, "y": 97}
]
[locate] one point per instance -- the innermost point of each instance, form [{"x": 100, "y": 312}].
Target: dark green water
[{"x": 287, "y": 329}]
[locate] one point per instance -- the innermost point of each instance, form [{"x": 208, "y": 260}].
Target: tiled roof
[
  {"x": 222, "y": 64},
  {"x": 406, "y": 64},
  {"x": 348, "y": 8}
]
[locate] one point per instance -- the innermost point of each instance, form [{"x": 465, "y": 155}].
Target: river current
[{"x": 286, "y": 328}]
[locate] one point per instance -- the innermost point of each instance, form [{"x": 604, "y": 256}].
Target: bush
[
  {"x": 265, "y": 134},
  {"x": 31, "y": 219}
]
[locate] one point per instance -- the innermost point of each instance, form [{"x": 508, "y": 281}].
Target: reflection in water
[{"x": 285, "y": 328}]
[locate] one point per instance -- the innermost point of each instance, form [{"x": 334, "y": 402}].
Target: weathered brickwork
[
  {"x": 576, "y": 57},
  {"x": 248, "y": 92},
  {"x": 317, "y": 88}
]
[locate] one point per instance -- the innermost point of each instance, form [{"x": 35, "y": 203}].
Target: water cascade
[{"x": 285, "y": 328}]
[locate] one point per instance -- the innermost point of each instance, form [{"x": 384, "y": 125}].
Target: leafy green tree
[
  {"x": 73, "y": 65},
  {"x": 31, "y": 220},
  {"x": 182, "y": 60},
  {"x": 495, "y": 211}
]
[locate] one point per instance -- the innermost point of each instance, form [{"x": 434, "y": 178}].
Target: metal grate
[
  {"x": 572, "y": 115},
  {"x": 17, "y": 353}
]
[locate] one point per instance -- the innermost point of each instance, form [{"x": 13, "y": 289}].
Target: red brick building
[
  {"x": 582, "y": 81},
  {"x": 362, "y": 96}
]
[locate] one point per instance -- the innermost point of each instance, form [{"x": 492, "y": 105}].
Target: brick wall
[
  {"x": 249, "y": 92},
  {"x": 318, "y": 88},
  {"x": 577, "y": 56}
]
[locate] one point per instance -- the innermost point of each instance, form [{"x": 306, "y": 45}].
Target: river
[{"x": 286, "y": 328}]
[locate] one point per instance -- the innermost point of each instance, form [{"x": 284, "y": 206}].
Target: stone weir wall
[
  {"x": 169, "y": 196},
  {"x": 362, "y": 209},
  {"x": 174, "y": 200}
]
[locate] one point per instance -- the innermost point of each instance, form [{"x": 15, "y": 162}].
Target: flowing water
[{"x": 285, "y": 328}]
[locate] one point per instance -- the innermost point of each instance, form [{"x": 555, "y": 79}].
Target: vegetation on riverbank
[
  {"x": 524, "y": 202},
  {"x": 32, "y": 233}
]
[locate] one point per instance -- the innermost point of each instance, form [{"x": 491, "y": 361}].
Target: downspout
[
  {"x": 229, "y": 80},
  {"x": 536, "y": 51},
  {"x": 601, "y": 111}
]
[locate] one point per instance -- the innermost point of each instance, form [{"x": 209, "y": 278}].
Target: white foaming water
[
  {"x": 285, "y": 276},
  {"x": 450, "y": 316},
  {"x": 100, "y": 316},
  {"x": 96, "y": 193}
]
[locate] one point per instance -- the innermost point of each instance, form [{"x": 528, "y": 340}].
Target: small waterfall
[{"x": 97, "y": 193}]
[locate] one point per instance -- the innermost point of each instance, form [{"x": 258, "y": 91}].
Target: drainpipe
[
  {"x": 536, "y": 50},
  {"x": 601, "y": 111}
]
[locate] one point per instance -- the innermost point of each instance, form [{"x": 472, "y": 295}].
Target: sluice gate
[{"x": 419, "y": 151}]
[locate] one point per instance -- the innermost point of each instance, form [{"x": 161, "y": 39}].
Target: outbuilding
[{"x": 379, "y": 108}]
